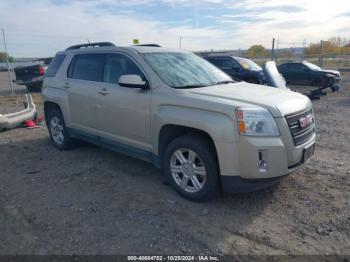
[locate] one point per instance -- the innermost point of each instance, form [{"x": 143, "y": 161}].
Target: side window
[
  {"x": 55, "y": 65},
  {"x": 228, "y": 64},
  {"x": 303, "y": 68},
  {"x": 117, "y": 65},
  {"x": 216, "y": 61},
  {"x": 86, "y": 67},
  {"x": 295, "y": 67}
]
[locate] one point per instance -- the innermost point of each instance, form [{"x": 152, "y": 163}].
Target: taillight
[{"x": 41, "y": 70}]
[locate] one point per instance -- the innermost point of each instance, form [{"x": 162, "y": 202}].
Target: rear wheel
[
  {"x": 58, "y": 132},
  {"x": 190, "y": 165}
]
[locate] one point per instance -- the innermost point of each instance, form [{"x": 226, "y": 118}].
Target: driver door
[
  {"x": 123, "y": 114},
  {"x": 232, "y": 68}
]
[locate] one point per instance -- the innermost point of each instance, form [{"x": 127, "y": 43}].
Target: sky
[{"x": 43, "y": 27}]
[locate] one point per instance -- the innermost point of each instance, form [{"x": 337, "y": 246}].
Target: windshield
[
  {"x": 248, "y": 64},
  {"x": 312, "y": 66},
  {"x": 185, "y": 70}
]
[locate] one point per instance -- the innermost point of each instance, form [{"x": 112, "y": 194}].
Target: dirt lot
[{"x": 93, "y": 201}]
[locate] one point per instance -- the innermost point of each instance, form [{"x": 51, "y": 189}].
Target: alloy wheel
[{"x": 188, "y": 170}]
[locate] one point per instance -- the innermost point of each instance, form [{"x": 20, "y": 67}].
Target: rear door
[
  {"x": 84, "y": 74},
  {"x": 306, "y": 76},
  {"x": 123, "y": 114},
  {"x": 285, "y": 70}
]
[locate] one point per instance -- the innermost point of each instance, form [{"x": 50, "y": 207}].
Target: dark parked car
[
  {"x": 32, "y": 75},
  {"x": 240, "y": 69},
  {"x": 305, "y": 73}
]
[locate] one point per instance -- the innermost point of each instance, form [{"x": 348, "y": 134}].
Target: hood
[
  {"x": 335, "y": 72},
  {"x": 279, "y": 102},
  {"x": 273, "y": 77}
]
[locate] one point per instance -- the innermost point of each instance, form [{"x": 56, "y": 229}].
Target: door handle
[
  {"x": 103, "y": 91},
  {"x": 66, "y": 85}
]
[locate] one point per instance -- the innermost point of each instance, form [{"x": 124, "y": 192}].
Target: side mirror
[
  {"x": 132, "y": 81},
  {"x": 306, "y": 69}
]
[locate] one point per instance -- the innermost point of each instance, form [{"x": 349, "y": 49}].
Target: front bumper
[
  {"x": 239, "y": 162},
  {"x": 236, "y": 184}
]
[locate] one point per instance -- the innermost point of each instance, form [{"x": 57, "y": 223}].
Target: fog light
[{"x": 262, "y": 164}]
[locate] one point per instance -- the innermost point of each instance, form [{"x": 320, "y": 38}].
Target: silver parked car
[{"x": 179, "y": 112}]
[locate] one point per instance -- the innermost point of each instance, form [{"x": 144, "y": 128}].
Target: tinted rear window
[
  {"x": 87, "y": 67},
  {"x": 55, "y": 65}
]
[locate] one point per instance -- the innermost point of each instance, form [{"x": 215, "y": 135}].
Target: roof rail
[
  {"x": 89, "y": 45},
  {"x": 151, "y": 45}
]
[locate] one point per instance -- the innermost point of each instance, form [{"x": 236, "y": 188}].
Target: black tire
[
  {"x": 67, "y": 142},
  {"x": 33, "y": 88},
  {"x": 335, "y": 88},
  {"x": 205, "y": 151}
]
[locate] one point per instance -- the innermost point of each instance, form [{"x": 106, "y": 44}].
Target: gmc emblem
[{"x": 306, "y": 121}]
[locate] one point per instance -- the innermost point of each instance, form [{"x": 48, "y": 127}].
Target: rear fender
[{"x": 59, "y": 97}]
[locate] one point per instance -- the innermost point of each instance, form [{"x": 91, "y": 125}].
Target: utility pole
[
  {"x": 278, "y": 41},
  {"x": 320, "y": 62},
  {"x": 7, "y": 61},
  {"x": 304, "y": 47},
  {"x": 273, "y": 49}
]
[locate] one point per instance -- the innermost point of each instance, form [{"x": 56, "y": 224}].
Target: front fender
[{"x": 220, "y": 127}]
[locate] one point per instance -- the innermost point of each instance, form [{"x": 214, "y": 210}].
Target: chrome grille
[{"x": 300, "y": 134}]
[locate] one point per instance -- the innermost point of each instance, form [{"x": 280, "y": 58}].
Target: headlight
[
  {"x": 256, "y": 121},
  {"x": 330, "y": 75}
]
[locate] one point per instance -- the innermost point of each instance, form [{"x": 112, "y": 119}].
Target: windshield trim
[{"x": 250, "y": 62}]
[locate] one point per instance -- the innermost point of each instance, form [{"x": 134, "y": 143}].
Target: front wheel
[{"x": 190, "y": 165}]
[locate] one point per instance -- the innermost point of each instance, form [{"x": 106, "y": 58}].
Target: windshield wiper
[
  {"x": 225, "y": 82},
  {"x": 190, "y": 86},
  {"x": 204, "y": 85}
]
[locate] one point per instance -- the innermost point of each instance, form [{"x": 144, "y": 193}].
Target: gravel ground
[{"x": 93, "y": 201}]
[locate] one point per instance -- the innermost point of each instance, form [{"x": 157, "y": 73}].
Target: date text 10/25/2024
[{"x": 172, "y": 258}]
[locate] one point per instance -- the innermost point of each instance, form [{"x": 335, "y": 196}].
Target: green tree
[
  {"x": 334, "y": 45},
  {"x": 3, "y": 56},
  {"x": 257, "y": 51}
]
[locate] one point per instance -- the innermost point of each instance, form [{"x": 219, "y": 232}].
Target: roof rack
[
  {"x": 151, "y": 45},
  {"x": 89, "y": 45}
]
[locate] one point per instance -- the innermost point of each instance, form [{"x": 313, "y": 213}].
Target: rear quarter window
[{"x": 55, "y": 65}]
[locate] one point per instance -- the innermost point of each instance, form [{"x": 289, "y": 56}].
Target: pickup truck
[
  {"x": 32, "y": 75},
  {"x": 179, "y": 112}
]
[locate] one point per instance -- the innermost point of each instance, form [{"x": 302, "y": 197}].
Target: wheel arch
[
  {"x": 49, "y": 105},
  {"x": 169, "y": 132},
  {"x": 55, "y": 97}
]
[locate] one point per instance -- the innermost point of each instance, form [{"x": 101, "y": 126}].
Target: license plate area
[{"x": 308, "y": 152}]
